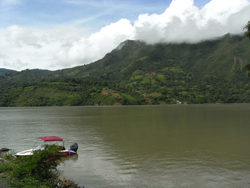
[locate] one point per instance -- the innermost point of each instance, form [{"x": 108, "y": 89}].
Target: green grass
[
  {"x": 176, "y": 70},
  {"x": 30, "y": 88},
  {"x": 161, "y": 77},
  {"x": 126, "y": 67},
  {"x": 73, "y": 73},
  {"x": 136, "y": 72},
  {"x": 136, "y": 77},
  {"x": 128, "y": 97},
  {"x": 86, "y": 75},
  {"x": 142, "y": 58}
]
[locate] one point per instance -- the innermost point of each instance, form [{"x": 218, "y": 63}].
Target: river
[{"x": 168, "y": 146}]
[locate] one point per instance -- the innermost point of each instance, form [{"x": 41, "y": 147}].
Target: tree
[
  {"x": 247, "y": 34},
  {"x": 247, "y": 27},
  {"x": 248, "y": 69}
]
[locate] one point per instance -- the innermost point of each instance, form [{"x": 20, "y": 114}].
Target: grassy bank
[{"x": 38, "y": 170}]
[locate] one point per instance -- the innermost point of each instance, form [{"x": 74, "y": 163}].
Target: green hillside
[
  {"x": 137, "y": 73},
  {"x": 3, "y": 71}
]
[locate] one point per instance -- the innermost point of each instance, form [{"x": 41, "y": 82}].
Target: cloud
[
  {"x": 18, "y": 64},
  {"x": 71, "y": 45},
  {"x": 22, "y": 36},
  {"x": 96, "y": 45},
  {"x": 183, "y": 22},
  {"x": 31, "y": 48},
  {"x": 3, "y": 56}
]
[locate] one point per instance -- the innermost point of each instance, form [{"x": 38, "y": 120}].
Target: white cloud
[
  {"x": 94, "y": 47},
  {"x": 31, "y": 48},
  {"x": 182, "y": 21},
  {"x": 70, "y": 45},
  {"x": 17, "y": 64},
  {"x": 22, "y": 36},
  {"x": 3, "y": 56}
]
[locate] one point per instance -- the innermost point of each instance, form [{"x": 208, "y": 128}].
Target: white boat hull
[{"x": 30, "y": 152}]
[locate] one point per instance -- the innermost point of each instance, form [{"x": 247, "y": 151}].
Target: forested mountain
[
  {"x": 3, "y": 71},
  {"x": 137, "y": 73}
]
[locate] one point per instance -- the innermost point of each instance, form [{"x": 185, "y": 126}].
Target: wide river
[{"x": 170, "y": 146}]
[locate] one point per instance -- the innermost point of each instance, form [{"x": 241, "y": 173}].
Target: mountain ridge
[
  {"x": 3, "y": 70},
  {"x": 137, "y": 73}
]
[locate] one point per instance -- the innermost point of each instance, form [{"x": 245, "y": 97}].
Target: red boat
[{"x": 51, "y": 140}]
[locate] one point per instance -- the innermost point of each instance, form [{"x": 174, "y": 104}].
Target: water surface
[{"x": 142, "y": 146}]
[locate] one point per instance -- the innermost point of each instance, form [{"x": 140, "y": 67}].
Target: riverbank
[
  {"x": 3, "y": 182},
  {"x": 8, "y": 180}
]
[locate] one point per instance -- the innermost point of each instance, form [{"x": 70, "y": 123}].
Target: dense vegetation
[
  {"x": 3, "y": 71},
  {"x": 38, "y": 170},
  {"x": 137, "y": 73},
  {"x": 247, "y": 28},
  {"x": 247, "y": 34}
]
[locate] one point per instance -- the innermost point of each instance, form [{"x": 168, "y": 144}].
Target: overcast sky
[{"x": 57, "y": 34}]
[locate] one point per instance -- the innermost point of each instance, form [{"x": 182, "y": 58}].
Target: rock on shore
[
  {"x": 64, "y": 183},
  {"x": 4, "y": 149},
  {"x": 2, "y": 160}
]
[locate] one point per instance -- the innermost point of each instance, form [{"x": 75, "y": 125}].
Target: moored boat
[{"x": 51, "y": 140}]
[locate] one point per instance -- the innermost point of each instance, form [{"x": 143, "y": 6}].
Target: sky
[{"x": 58, "y": 34}]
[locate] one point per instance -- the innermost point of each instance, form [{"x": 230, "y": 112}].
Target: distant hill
[
  {"x": 3, "y": 71},
  {"x": 137, "y": 73}
]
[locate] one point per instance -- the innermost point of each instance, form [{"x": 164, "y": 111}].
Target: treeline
[{"x": 140, "y": 89}]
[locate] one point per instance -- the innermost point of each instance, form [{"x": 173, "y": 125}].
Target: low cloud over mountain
[{"x": 70, "y": 45}]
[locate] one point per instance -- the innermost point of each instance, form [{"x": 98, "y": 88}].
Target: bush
[
  {"x": 39, "y": 165},
  {"x": 38, "y": 169}
]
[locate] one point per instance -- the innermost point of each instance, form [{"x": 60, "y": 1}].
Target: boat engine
[{"x": 74, "y": 147}]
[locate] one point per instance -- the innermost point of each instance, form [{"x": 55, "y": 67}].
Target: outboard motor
[{"x": 74, "y": 147}]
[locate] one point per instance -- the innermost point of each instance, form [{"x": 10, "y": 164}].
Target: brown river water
[{"x": 170, "y": 146}]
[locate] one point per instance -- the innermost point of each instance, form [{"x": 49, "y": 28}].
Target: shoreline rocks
[
  {"x": 2, "y": 160},
  {"x": 4, "y": 149},
  {"x": 64, "y": 183}
]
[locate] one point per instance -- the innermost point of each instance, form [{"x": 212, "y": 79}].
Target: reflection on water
[
  {"x": 72, "y": 158},
  {"x": 142, "y": 146}
]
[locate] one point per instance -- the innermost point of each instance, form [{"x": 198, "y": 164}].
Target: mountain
[
  {"x": 3, "y": 71},
  {"x": 137, "y": 73}
]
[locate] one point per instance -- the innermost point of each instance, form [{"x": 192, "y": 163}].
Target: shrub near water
[{"x": 39, "y": 168}]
